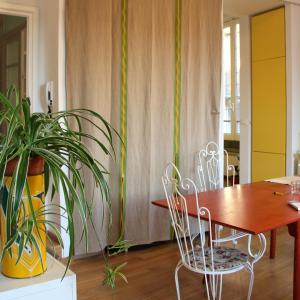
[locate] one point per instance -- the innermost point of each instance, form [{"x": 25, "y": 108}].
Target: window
[{"x": 231, "y": 64}]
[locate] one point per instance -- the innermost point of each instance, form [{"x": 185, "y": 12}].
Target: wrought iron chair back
[{"x": 211, "y": 173}]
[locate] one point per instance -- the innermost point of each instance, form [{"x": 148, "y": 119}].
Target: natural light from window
[{"x": 231, "y": 64}]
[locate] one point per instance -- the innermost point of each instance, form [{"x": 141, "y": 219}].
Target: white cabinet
[{"x": 44, "y": 287}]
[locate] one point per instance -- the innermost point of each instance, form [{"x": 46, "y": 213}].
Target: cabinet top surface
[{"x": 55, "y": 271}]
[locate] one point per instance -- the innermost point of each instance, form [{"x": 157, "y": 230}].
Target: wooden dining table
[{"x": 253, "y": 208}]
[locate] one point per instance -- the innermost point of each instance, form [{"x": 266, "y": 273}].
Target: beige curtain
[
  {"x": 201, "y": 78},
  {"x": 89, "y": 71},
  {"x": 94, "y": 40}
]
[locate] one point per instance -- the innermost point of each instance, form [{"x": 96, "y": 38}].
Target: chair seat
[{"x": 225, "y": 259}]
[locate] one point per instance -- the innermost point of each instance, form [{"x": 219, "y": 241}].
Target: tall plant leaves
[
  {"x": 21, "y": 177},
  {"x": 63, "y": 147}
]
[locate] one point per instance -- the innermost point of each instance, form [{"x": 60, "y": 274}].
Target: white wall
[
  {"x": 245, "y": 88},
  {"x": 49, "y": 60},
  {"x": 292, "y": 84},
  {"x": 50, "y": 47}
]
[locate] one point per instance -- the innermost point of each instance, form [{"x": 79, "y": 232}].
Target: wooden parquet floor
[{"x": 150, "y": 273}]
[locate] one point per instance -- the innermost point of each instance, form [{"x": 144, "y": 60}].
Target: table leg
[
  {"x": 213, "y": 227},
  {"x": 273, "y": 243},
  {"x": 294, "y": 230}
]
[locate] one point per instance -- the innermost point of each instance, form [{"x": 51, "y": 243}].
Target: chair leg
[
  {"x": 250, "y": 283},
  {"x": 179, "y": 265},
  {"x": 216, "y": 278},
  {"x": 220, "y": 287},
  {"x": 273, "y": 244},
  {"x": 212, "y": 285}
]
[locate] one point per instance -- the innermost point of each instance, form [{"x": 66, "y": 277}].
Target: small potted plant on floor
[{"x": 37, "y": 149}]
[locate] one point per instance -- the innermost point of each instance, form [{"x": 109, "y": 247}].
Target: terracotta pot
[
  {"x": 36, "y": 166},
  {"x": 30, "y": 264}
]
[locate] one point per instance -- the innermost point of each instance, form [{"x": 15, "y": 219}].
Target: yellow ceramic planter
[{"x": 30, "y": 264}]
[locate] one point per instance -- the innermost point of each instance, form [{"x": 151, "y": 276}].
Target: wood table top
[{"x": 253, "y": 207}]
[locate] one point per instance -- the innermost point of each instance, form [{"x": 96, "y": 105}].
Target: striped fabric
[{"x": 153, "y": 69}]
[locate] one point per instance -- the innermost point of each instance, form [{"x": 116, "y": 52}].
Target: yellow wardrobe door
[
  {"x": 268, "y": 95},
  {"x": 267, "y": 165},
  {"x": 268, "y": 35},
  {"x": 269, "y": 106}
]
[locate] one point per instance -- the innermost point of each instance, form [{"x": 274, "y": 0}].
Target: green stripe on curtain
[
  {"x": 177, "y": 92},
  {"x": 123, "y": 117}
]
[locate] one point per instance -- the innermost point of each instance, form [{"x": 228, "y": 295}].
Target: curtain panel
[{"x": 153, "y": 70}]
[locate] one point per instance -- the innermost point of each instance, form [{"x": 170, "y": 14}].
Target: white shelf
[{"x": 48, "y": 286}]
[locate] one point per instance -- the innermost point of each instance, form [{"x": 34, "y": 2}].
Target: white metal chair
[
  {"x": 197, "y": 255},
  {"x": 210, "y": 170},
  {"x": 212, "y": 175}
]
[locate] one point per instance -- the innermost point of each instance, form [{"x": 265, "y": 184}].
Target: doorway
[
  {"x": 13, "y": 53},
  {"x": 231, "y": 101}
]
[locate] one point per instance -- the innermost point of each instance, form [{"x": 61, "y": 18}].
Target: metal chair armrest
[{"x": 230, "y": 238}]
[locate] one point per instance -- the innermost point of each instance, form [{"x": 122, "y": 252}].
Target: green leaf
[
  {"x": 47, "y": 178},
  {"x": 21, "y": 247},
  {"x": 35, "y": 244},
  {"x": 26, "y": 112},
  {"x": 111, "y": 273},
  {"x": 33, "y": 213},
  {"x": 21, "y": 177},
  {"x": 8, "y": 245},
  {"x": 63, "y": 142}
]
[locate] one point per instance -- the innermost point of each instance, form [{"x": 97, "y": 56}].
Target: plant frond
[{"x": 64, "y": 145}]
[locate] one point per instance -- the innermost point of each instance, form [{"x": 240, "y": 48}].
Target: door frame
[
  {"x": 31, "y": 14},
  {"x": 245, "y": 95}
]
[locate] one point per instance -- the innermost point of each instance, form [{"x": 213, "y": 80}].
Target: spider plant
[
  {"x": 111, "y": 272},
  {"x": 58, "y": 139}
]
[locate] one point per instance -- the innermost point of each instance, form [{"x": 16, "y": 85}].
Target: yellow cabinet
[
  {"x": 267, "y": 165},
  {"x": 268, "y": 35},
  {"x": 268, "y": 95},
  {"x": 269, "y": 105}
]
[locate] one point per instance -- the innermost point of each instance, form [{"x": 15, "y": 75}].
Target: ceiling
[{"x": 237, "y": 8}]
